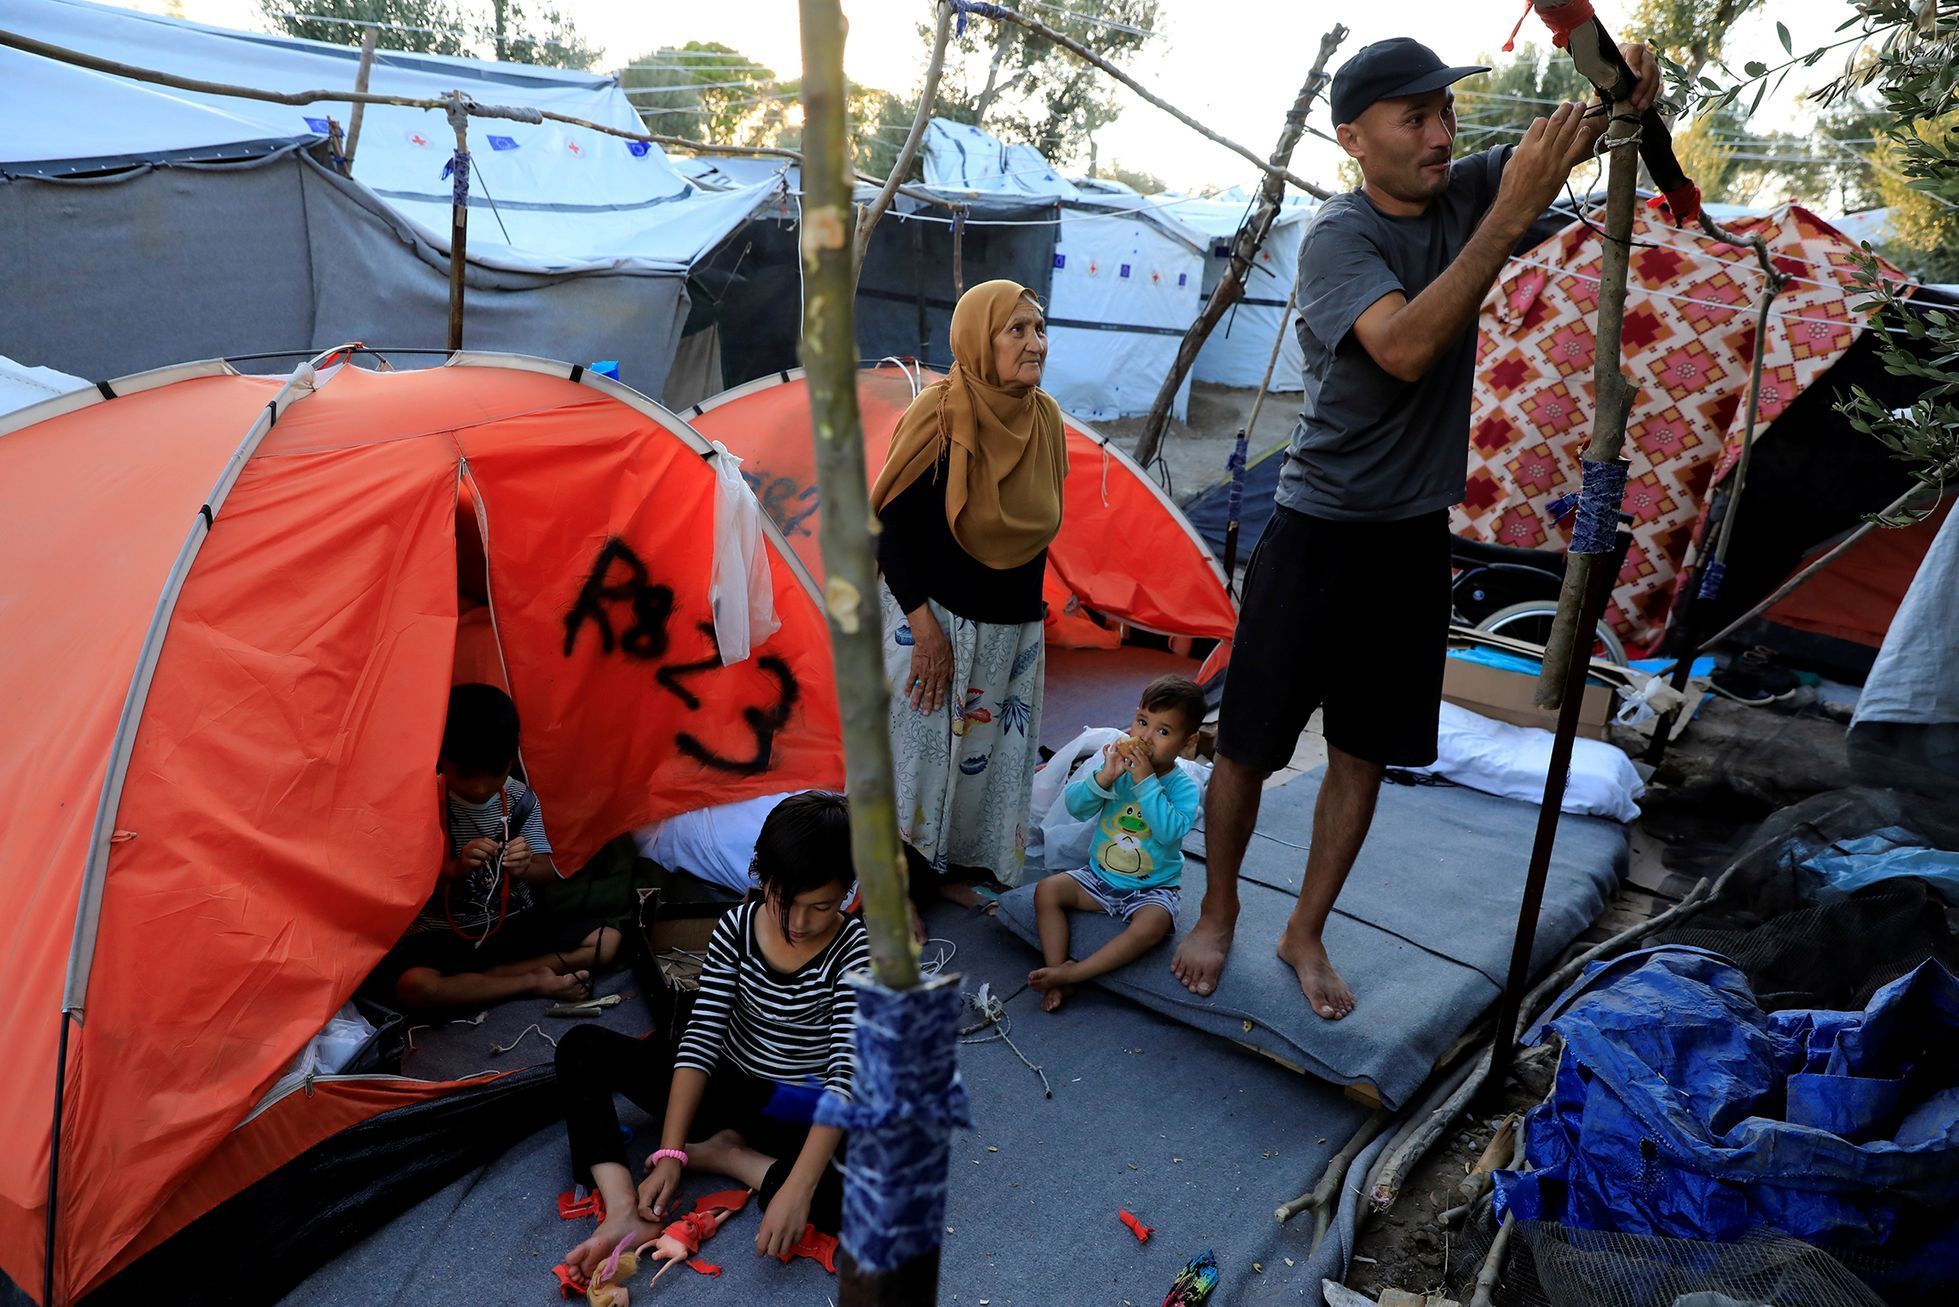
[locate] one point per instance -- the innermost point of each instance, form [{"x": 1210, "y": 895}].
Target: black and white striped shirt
[{"x": 783, "y": 1026}]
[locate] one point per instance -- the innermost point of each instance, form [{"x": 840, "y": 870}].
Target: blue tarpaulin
[
  {"x": 1680, "y": 1108},
  {"x": 1850, "y": 865}
]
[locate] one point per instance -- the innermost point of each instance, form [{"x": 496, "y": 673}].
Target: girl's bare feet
[{"x": 587, "y": 1257}]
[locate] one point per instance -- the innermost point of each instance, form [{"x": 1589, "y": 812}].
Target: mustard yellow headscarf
[{"x": 1007, "y": 453}]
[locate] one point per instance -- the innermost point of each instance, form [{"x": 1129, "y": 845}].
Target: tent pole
[
  {"x": 959, "y": 212},
  {"x": 1244, "y": 250},
  {"x": 458, "y": 214},
  {"x": 54, "y": 1160},
  {"x": 1715, "y": 571},
  {"x": 360, "y": 88}
]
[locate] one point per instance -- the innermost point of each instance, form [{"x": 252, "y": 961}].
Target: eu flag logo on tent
[
  {"x": 640, "y": 149},
  {"x": 502, "y": 142},
  {"x": 1060, "y": 260},
  {"x": 1125, "y": 269},
  {"x": 319, "y": 125}
]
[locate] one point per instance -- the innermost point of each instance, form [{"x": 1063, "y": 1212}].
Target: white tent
[
  {"x": 552, "y": 197},
  {"x": 1241, "y": 344},
  {"x": 21, "y": 385},
  {"x": 1127, "y": 273}
]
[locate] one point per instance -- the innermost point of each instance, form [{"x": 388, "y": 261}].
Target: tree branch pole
[
  {"x": 458, "y": 215},
  {"x": 1240, "y": 447},
  {"x": 1245, "y": 246},
  {"x": 361, "y": 75},
  {"x": 1087, "y": 55},
  {"x": 849, "y": 529},
  {"x": 1569, "y": 641},
  {"x": 927, "y": 97},
  {"x": 906, "y": 1091},
  {"x": 1713, "y": 572},
  {"x": 1588, "y": 580}
]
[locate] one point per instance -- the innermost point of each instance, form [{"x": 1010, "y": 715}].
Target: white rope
[
  {"x": 505, "y": 1048},
  {"x": 993, "y": 1012}
]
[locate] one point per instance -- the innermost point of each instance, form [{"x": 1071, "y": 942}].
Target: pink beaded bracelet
[{"x": 676, "y": 1154}]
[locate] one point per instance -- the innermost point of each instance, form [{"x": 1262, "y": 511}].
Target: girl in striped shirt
[{"x": 773, "y": 1010}]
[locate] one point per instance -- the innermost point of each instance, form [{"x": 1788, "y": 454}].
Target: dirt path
[{"x": 1195, "y": 451}]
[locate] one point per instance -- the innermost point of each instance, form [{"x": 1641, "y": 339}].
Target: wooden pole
[
  {"x": 1244, "y": 251},
  {"x": 1503, "y": 1049},
  {"x": 1569, "y": 641},
  {"x": 927, "y": 97},
  {"x": 1588, "y": 583},
  {"x": 458, "y": 215},
  {"x": 850, "y": 601},
  {"x": 959, "y": 212},
  {"x": 849, "y": 528},
  {"x": 1082, "y": 52},
  {"x": 360, "y": 86}
]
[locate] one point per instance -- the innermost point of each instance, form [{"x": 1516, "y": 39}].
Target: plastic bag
[{"x": 742, "y": 588}]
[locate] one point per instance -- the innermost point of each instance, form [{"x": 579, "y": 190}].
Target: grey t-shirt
[{"x": 1368, "y": 447}]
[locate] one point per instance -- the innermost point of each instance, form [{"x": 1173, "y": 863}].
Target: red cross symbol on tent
[
  {"x": 575, "y": 148},
  {"x": 1156, "y": 279},
  {"x": 1092, "y": 266},
  {"x": 418, "y": 140}
]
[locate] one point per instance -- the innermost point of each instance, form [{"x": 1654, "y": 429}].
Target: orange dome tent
[
  {"x": 230, "y": 610},
  {"x": 1124, "y": 550}
]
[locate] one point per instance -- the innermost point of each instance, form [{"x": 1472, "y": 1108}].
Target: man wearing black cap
[{"x": 1346, "y": 603}]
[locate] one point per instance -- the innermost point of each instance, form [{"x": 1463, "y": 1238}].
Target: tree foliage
[
  {"x": 706, "y": 91},
  {"x": 1024, "y": 88},
  {"x": 513, "y": 31},
  {"x": 1905, "y": 53},
  {"x": 1497, "y": 107}
]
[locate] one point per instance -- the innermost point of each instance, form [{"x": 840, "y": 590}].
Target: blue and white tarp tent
[
  {"x": 1241, "y": 344},
  {"x": 1127, "y": 274},
  {"x": 593, "y": 233}
]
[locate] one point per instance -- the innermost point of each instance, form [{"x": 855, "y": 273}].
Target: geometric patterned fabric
[{"x": 1688, "y": 343}]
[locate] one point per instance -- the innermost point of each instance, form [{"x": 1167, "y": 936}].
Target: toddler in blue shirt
[{"x": 1142, "y": 806}]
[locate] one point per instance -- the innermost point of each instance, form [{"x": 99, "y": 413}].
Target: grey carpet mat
[
  {"x": 1422, "y": 931},
  {"x": 1198, "y": 1139},
  {"x": 452, "y": 1046},
  {"x": 1099, "y": 687}
]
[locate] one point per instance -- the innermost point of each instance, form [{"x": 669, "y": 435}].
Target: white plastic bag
[
  {"x": 742, "y": 587},
  {"x": 1056, "y": 840}
]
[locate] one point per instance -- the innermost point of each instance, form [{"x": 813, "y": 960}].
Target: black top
[{"x": 921, "y": 559}]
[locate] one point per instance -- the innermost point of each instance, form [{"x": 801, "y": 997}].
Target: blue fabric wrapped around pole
[
  {"x": 907, "y": 1097},
  {"x": 1680, "y": 1108}
]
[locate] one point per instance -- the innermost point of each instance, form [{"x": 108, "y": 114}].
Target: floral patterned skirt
[{"x": 964, "y": 773}]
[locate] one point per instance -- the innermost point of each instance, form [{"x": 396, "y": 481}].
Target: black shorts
[{"x": 1352, "y": 617}]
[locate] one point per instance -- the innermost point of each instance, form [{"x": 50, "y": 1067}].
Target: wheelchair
[{"x": 1506, "y": 590}]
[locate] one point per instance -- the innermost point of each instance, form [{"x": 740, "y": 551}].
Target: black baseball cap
[{"x": 1386, "y": 69}]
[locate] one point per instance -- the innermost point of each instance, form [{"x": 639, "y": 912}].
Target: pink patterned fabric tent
[{"x": 1688, "y": 345}]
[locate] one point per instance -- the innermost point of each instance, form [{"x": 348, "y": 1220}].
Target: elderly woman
[{"x": 969, "y": 499}]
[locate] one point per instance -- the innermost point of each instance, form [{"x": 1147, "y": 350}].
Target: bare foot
[
  {"x": 547, "y": 983},
  {"x": 1321, "y": 984},
  {"x": 1199, "y": 960},
  {"x": 1054, "y": 984},
  {"x": 587, "y": 1257},
  {"x": 958, "y": 891},
  {"x": 714, "y": 1149}
]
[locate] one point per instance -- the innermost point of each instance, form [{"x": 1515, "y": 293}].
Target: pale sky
[{"x": 1233, "y": 64}]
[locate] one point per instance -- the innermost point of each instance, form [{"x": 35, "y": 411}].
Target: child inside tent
[{"x": 480, "y": 939}]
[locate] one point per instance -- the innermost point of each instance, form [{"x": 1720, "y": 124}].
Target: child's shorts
[{"x": 1124, "y": 904}]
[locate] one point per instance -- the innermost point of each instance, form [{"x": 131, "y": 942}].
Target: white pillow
[{"x": 1510, "y": 761}]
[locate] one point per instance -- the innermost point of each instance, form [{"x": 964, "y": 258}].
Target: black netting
[
  {"x": 1550, "y": 1265},
  {"x": 1802, "y": 944}
]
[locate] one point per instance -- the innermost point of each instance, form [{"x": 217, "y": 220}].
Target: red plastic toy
[{"x": 1136, "y": 1227}]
